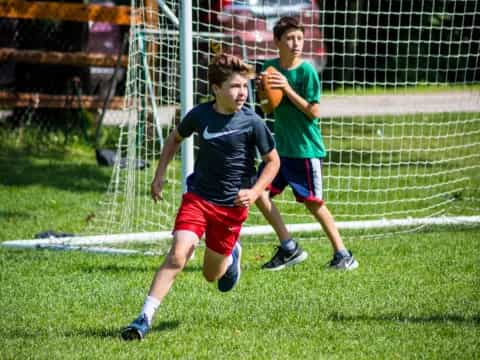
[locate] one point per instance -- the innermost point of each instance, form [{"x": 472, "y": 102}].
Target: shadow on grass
[
  {"x": 85, "y": 332},
  {"x": 118, "y": 268},
  {"x": 166, "y": 325},
  {"x": 129, "y": 268},
  {"x": 400, "y": 318},
  {"x": 14, "y": 214},
  {"x": 115, "y": 333},
  {"x": 20, "y": 170}
]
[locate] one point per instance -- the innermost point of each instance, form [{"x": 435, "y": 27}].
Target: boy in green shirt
[{"x": 300, "y": 146}]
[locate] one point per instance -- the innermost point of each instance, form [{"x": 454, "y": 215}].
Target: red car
[{"x": 246, "y": 27}]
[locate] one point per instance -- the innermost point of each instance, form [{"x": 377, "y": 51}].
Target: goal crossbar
[{"x": 76, "y": 242}]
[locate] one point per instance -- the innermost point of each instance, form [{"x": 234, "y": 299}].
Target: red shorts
[{"x": 220, "y": 224}]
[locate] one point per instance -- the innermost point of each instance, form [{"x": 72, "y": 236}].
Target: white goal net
[{"x": 400, "y": 107}]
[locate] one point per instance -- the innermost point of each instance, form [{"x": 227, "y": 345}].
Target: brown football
[{"x": 270, "y": 98}]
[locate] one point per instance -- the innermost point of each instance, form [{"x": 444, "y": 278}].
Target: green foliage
[
  {"x": 35, "y": 140},
  {"x": 32, "y": 137},
  {"x": 400, "y": 43}
]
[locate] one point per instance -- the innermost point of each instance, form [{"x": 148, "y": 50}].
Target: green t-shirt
[{"x": 296, "y": 135}]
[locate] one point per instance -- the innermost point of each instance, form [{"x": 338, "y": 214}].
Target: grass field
[{"x": 414, "y": 295}]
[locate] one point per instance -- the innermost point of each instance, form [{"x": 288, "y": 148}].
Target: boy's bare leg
[
  {"x": 271, "y": 213},
  {"x": 224, "y": 268},
  {"x": 325, "y": 218},
  {"x": 342, "y": 258},
  {"x": 184, "y": 243},
  {"x": 214, "y": 265},
  {"x": 289, "y": 252}
]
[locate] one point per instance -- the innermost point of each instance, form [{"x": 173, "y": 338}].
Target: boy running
[
  {"x": 221, "y": 188},
  {"x": 300, "y": 146}
]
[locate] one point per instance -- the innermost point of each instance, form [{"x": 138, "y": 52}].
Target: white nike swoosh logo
[{"x": 209, "y": 136}]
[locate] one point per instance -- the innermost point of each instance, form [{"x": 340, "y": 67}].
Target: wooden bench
[{"x": 19, "y": 9}]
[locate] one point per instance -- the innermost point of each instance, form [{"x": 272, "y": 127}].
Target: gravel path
[{"x": 354, "y": 105}]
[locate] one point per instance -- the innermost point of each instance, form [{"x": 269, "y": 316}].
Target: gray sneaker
[
  {"x": 137, "y": 329},
  {"x": 282, "y": 258},
  {"x": 343, "y": 262}
]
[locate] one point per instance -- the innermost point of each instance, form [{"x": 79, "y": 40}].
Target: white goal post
[
  {"x": 400, "y": 112},
  {"x": 85, "y": 243}
]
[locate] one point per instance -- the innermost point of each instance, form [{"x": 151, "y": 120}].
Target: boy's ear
[{"x": 214, "y": 89}]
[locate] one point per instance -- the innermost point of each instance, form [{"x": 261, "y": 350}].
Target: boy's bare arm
[
  {"x": 169, "y": 149},
  {"x": 270, "y": 170},
  {"x": 247, "y": 197}
]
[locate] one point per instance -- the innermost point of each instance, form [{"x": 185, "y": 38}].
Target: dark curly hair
[
  {"x": 223, "y": 66},
  {"x": 284, "y": 24}
]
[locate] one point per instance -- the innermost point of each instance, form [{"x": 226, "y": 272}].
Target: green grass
[
  {"x": 415, "y": 295},
  {"x": 48, "y": 191}
]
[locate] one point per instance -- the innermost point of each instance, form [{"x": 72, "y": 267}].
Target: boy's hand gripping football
[
  {"x": 269, "y": 91},
  {"x": 277, "y": 81}
]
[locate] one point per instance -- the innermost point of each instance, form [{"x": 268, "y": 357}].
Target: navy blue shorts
[{"x": 304, "y": 177}]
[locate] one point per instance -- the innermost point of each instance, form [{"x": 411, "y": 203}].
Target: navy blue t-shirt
[{"x": 225, "y": 160}]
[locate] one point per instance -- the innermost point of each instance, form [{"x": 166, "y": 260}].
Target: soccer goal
[{"x": 400, "y": 111}]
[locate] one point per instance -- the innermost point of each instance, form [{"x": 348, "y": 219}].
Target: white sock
[
  {"x": 343, "y": 252},
  {"x": 229, "y": 261},
  {"x": 149, "y": 307},
  {"x": 288, "y": 245}
]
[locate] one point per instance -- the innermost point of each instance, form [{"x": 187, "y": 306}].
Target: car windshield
[{"x": 271, "y": 8}]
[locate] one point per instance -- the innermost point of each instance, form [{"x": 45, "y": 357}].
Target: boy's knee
[
  {"x": 209, "y": 276},
  {"x": 314, "y": 206},
  {"x": 176, "y": 261}
]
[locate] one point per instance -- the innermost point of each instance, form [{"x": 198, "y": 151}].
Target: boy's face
[
  {"x": 290, "y": 45},
  {"x": 232, "y": 94}
]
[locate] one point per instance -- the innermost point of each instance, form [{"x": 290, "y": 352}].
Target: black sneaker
[
  {"x": 343, "y": 262},
  {"x": 283, "y": 258}
]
